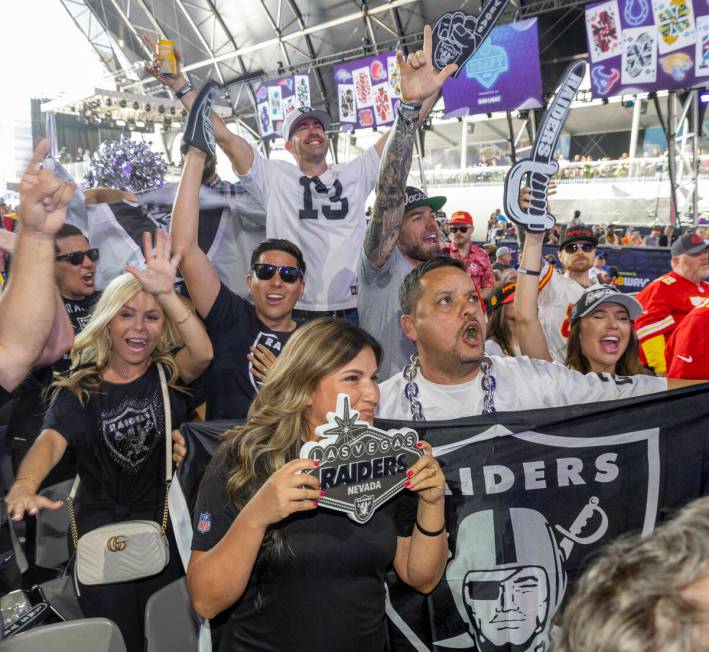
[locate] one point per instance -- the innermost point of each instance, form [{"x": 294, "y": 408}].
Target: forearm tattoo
[{"x": 383, "y": 230}]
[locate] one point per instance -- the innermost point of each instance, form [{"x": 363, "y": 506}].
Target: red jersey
[
  {"x": 666, "y": 301},
  {"x": 687, "y": 351}
]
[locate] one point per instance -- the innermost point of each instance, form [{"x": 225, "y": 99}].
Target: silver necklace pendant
[{"x": 411, "y": 389}]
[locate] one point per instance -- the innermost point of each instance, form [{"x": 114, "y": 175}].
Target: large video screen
[
  {"x": 503, "y": 75},
  {"x": 639, "y": 46}
]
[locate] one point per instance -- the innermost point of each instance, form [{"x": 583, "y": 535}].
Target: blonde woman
[
  {"x": 109, "y": 409},
  {"x": 301, "y": 577}
]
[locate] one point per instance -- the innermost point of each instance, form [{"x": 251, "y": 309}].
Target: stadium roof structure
[{"x": 241, "y": 42}]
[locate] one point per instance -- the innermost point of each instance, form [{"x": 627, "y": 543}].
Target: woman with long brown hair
[
  {"x": 601, "y": 336},
  {"x": 299, "y": 576}
]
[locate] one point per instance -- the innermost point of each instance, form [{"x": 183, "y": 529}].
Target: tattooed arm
[
  {"x": 383, "y": 230},
  {"x": 420, "y": 85}
]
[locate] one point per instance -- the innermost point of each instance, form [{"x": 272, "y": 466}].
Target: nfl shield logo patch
[{"x": 205, "y": 522}]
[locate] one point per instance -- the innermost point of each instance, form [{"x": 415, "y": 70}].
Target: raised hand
[
  {"x": 21, "y": 498},
  {"x": 419, "y": 78},
  {"x": 426, "y": 478},
  {"x": 261, "y": 360},
  {"x": 160, "y": 268},
  {"x": 153, "y": 69},
  {"x": 43, "y": 198},
  {"x": 288, "y": 490}
]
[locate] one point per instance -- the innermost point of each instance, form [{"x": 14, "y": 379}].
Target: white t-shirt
[
  {"x": 328, "y": 227},
  {"x": 557, "y": 295},
  {"x": 493, "y": 348},
  {"x": 521, "y": 384}
]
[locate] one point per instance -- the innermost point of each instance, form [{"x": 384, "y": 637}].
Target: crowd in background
[{"x": 404, "y": 314}]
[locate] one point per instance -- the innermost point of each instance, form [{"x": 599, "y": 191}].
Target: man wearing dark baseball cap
[
  {"x": 559, "y": 292},
  {"x": 474, "y": 259},
  {"x": 381, "y": 276},
  {"x": 668, "y": 299}
]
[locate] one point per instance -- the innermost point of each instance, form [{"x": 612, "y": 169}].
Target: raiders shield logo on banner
[
  {"x": 361, "y": 467},
  {"x": 523, "y": 511}
]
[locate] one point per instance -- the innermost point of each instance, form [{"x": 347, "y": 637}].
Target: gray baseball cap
[
  {"x": 598, "y": 294},
  {"x": 296, "y": 116}
]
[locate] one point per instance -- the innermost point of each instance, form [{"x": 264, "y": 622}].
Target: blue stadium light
[{"x": 704, "y": 97}]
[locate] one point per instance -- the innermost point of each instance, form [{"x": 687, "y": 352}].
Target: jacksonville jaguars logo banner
[
  {"x": 541, "y": 166},
  {"x": 530, "y": 496},
  {"x": 457, "y": 35}
]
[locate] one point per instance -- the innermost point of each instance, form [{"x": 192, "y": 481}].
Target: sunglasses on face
[
  {"x": 265, "y": 272},
  {"x": 576, "y": 246},
  {"x": 77, "y": 257},
  {"x": 462, "y": 229}
]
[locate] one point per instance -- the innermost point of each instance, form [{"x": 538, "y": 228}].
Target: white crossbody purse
[{"x": 130, "y": 550}]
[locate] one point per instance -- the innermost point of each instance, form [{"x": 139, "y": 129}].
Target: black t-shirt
[
  {"x": 328, "y": 594},
  {"x": 30, "y": 404},
  {"x": 119, "y": 440},
  {"x": 233, "y": 327},
  {"x": 79, "y": 312}
]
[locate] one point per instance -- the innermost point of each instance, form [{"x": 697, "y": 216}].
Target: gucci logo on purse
[{"x": 117, "y": 543}]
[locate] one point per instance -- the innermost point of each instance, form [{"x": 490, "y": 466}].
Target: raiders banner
[{"x": 530, "y": 497}]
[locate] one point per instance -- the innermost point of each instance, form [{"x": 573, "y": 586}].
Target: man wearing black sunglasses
[
  {"x": 559, "y": 292},
  {"x": 246, "y": 337},
  {"x": 74, "y": 269}
]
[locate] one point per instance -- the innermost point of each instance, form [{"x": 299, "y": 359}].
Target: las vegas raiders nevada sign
[{"x": 361, "y": 467}]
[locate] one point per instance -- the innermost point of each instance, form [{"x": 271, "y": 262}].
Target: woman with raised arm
[
  {"x": 302, "y": 577},
  {"x": 109, "y": 407},
  {"x": 601, "y": 337}
]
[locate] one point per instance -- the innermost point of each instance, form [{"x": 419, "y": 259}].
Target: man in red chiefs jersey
[
  {"x": 667, "y": 300},
  {"x": 687, "y": 351}
]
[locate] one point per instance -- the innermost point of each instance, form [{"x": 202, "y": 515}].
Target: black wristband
[
  {"x": 180, "y": 93},
  {"x": 409, "y": 112},
  {"x": 528, "y": 272},
  {"x": 429, "y": 533}
]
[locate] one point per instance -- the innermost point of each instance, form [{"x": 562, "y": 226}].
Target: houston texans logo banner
[{"x": 529, "y": 497}]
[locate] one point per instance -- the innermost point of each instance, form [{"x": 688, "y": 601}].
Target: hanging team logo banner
[
  {"x": 530, "y": 497},
  {"x": 541, "y": 166},
  {"x": 276, "y": 98},
  {"x": 503, "y": 75},
  {"x": 368, "y": 90},
  {"x": 647, "y": 45},
  {"x": 361, "y": 467}
]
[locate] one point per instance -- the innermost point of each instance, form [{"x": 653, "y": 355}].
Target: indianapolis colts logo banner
[
  {"x": 530, "y": 497},
  {"x": 542, "y": 166},
  {"x": 457, "y": 35}
]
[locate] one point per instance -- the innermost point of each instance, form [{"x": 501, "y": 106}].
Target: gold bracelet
[
  {"x": 187, "y": 316},
  {"x": 19, "y": 478}
]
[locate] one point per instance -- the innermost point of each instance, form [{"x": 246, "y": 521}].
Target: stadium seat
[
  {"x": 52, "y": 544},
  {"x": 170, "y": 622},
  {"x": 89, "y": 634},
  {"x": 61, "y": 595}
]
